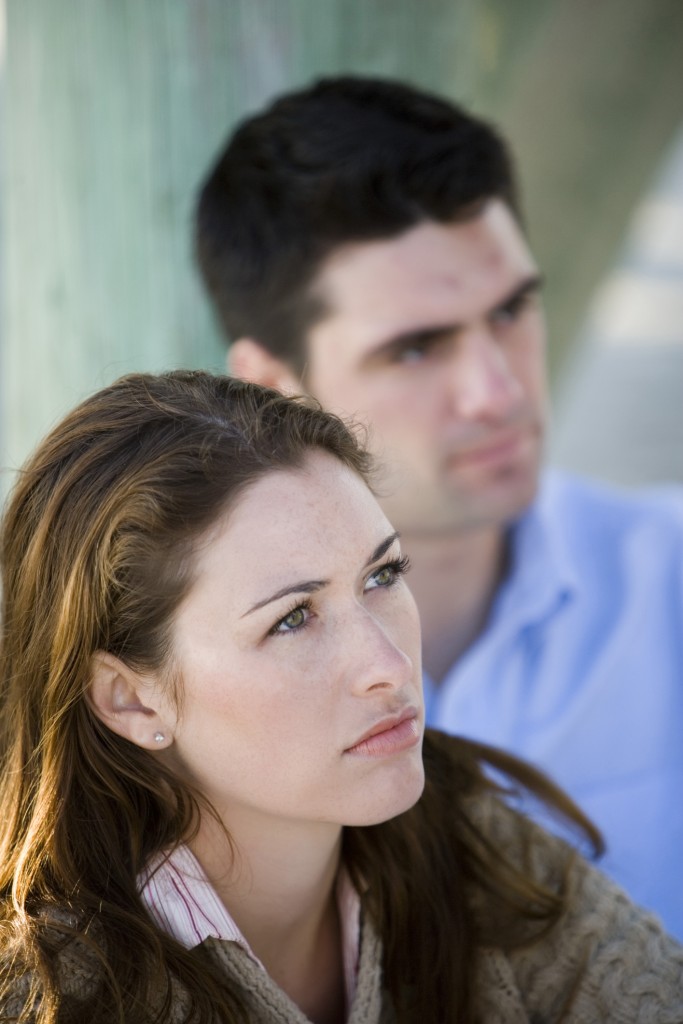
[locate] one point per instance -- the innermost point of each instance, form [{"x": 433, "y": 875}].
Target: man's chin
[
  {"x": 497, "y": 501},
  {"x": 512, "y": 489},
  {"x": 463, "y": 501}
]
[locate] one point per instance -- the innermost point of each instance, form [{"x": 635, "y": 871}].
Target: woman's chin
[{"x": 397, "y": 794}]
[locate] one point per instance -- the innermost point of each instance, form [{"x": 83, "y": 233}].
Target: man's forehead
[{"x": 427, "y": 276}]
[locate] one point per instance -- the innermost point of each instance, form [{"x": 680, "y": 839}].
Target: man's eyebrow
[
  {"x": 398, "y": 343},
  {"x": 312, "y": 586},
  {"x": 530, "y": 284}
]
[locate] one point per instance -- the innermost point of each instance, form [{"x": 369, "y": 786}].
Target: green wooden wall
[
  {"x": 113, "y": 109},
  {"x": 591, "y": 92}
]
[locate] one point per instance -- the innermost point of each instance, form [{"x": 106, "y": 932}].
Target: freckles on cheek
[{"x": 211, "y": 684}]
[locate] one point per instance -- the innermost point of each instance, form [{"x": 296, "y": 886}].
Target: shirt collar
[
  {"x": 183, "y": 903},
  {"x": 541, "y": 576}
]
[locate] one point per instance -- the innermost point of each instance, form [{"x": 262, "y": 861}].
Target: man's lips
[
  {"x": 390, "y": 735},
  {"x": 497, "y": 449}
]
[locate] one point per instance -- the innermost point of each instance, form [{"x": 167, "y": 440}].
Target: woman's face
[{"x": 299, "y": 639}]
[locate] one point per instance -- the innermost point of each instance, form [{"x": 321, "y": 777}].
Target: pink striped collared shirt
[{"x": 183, "y": 903}]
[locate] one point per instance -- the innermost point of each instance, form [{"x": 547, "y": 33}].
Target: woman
[{"x": 212, "y": 803}]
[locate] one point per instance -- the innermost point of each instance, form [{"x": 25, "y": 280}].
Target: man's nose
[{"x": 483, "y": 384}]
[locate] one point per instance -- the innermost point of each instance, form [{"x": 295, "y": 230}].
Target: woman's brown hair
[{"x": 96, "y": 555}]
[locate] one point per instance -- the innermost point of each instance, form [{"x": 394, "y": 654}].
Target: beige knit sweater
[{"x": 605, "y": 960}]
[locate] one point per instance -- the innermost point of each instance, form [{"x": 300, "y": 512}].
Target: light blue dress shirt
[{"x": 580, "y": 670}]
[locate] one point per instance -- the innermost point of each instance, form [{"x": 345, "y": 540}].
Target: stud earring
[{"x": 159, "y": 737}]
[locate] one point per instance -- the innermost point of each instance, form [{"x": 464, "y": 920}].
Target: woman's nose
[{"x": 379, "y": 659}]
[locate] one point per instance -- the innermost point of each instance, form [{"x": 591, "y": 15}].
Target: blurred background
[{"x": 113, "y": 109}]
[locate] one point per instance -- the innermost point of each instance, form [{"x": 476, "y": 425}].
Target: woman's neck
[{"x": 279, "y": 886}]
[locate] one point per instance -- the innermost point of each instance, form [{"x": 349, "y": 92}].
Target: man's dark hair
[{"x": 347, "y": 160}]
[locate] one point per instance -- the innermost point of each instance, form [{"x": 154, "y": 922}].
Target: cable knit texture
[
  {"x": 605, "y": 960},
  {"x": 269, "y": 1003}
]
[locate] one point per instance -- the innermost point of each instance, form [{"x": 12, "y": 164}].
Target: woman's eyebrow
[
  {"x": 304, "y": 587},
  {"x": 311, "y": 586},
  {"x": 382, "y": 548}
]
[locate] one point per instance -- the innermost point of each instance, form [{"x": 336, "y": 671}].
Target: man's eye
[
  {"x": 512, "y": 310},
  {"x": 414, "y": 354},
  {"x": 422, "y": 347}
]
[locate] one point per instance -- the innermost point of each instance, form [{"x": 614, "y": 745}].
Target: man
[{"x": 362, "y": 241}]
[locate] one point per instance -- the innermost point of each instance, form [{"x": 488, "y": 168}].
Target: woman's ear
[
  {"x": 125, "y": 703},
  {"x": 249, "y": 360}
]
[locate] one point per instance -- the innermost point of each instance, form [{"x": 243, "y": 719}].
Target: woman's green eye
[
  {"x": 297, "y": 619},
  {"x": 388, "y": 574},
  {"x": 384, "y": 576},
  {"x": 294, "y": 619}
]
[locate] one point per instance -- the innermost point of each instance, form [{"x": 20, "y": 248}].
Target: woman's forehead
[{"x": 294, "y": 520}]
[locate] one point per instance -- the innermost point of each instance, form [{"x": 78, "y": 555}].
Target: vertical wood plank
[{"x": 114, "y": 109}]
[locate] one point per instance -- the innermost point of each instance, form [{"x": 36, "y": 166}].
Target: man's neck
[{"x": 454, "y": 580}]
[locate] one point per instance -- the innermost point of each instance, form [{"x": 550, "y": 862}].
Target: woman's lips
[{"x": 389, "y": 736}]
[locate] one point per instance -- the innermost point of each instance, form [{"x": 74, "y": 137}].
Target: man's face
[{"x": 435, "y": 339}]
